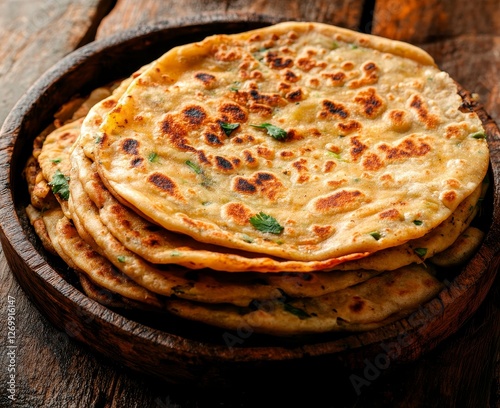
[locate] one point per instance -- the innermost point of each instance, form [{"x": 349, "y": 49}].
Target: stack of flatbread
[{"x": 297, "y": 179}]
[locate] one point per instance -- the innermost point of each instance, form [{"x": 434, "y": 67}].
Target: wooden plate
[{"x": 183, "y": 352}]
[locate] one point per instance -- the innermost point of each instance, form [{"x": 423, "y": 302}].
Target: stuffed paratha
[
  {"x": 175, "y": 279},
  {"x": 295, "y": 148},
  {"x": 366, "y": 306},
  {"x": 208, "y": 286},
  {"x": 158, "y": 245},
  {"x": 313, "y": 141}
]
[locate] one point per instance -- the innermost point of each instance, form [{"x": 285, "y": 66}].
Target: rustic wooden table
[{"x": 51, "y": 370}]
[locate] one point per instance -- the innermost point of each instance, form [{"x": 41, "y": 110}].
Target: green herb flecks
[
  {"x": 335, "y": 155},
  {"x": 229, "y": 128},
  {"x": 273, "y": 131},
  {"x": 235, "y": 87},
  {"x": 206, "y": 181},
  {"x": 247, "y": 238},
  {"x": 376, "y": 235},
  {"x": 478, "y": 135},
  {"x": 197, "y": 169},
  {"x": 418, "y": 222},
  {"x": 300, "y": 313},
  {"x": 56, "y": 161},
  {"x": 60, "y": 185},
  {"x": 266, "y": 223},
  {"x": 153, "y": 157},
  {"x": 121, "y": 258},
  {"x": 259, "y": 54},
  {"x": 421, "y": 252}
]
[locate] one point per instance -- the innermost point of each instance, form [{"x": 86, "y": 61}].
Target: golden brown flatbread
[
  {"x": 299, "y": 140},
  {"x": 338, "y": 161},
  {"x": 366, "y": 306}
]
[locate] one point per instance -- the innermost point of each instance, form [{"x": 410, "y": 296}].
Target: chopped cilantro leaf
[
  {"x": 56, "y": 161},
  {"x": 478, "y": 135},
  {"x": 376, "y": 235},
  {"x": 421, "y": 252},
  {"x": 197, "y": 169},
  {"x": 266, "y": 223},
  {"x": 418, "y": 222},
  {"x": 121, "y": 258},
  {"x": 274, "y": 131},
  {"x": 153, "y": 157},
  {"x": 228, "y": 128},
  {"x": 336, "y": 155},
  {"x": 60, "y": 185}
]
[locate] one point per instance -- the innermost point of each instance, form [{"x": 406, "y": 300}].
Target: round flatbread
[
  {"x": 301, "y": 141},
  {"x": 336, "y": 160}
]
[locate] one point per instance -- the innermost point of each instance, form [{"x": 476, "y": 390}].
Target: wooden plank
[
  {"x": 130, "y": 13},
  {"x": 26, "y": 29},
  {"x": 419, "y": 21}
]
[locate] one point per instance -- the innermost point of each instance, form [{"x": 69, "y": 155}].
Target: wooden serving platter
[{"x": 183, "y": 352}]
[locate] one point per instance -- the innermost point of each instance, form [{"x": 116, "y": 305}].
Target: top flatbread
[{"x": 375, "y": 140}]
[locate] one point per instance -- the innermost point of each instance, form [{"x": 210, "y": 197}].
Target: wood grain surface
[{"x": 52, "y": 370}]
